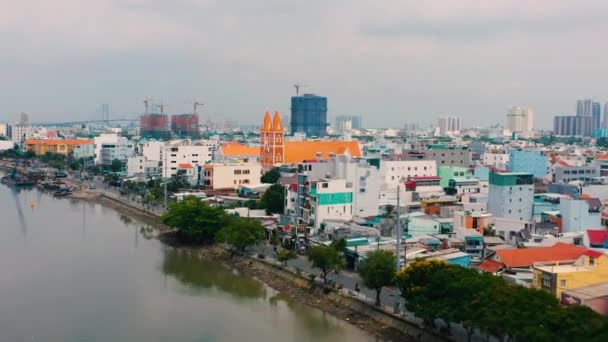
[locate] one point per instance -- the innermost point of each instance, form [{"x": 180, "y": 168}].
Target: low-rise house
[
  {"x": 594, "y": 297},
  {"x": 420, "y": 224},
  {"x": 590, "y": 268},
  {"x": 518, "y": 263},
  {"x": 472, "y": 220},
  {"x": 231, "y": 176},
  {"x": 473, "y": 242}
]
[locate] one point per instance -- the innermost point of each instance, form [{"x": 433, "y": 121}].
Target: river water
[{"x": 75, "y": 271}]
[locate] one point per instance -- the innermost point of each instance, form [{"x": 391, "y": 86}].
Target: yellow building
[
  {"x": 590, "y": 269},
  {"x": 60, "y": 146}
]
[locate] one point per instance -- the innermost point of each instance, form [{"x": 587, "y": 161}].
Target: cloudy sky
[{"x": 391, "y": 61}]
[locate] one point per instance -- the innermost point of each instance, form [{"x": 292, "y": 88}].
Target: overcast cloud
[{"x": 391, "y": 61}]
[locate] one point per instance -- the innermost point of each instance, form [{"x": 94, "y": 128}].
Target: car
[{"x": 92, "y": 186}]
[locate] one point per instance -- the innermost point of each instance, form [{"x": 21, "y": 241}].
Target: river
[{"x": 76, "y": 271}]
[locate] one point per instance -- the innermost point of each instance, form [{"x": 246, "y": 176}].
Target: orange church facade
[{"x": 274, "y": 150}]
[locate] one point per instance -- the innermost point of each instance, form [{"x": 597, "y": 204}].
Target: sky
[{"x": 390, "y": 61}]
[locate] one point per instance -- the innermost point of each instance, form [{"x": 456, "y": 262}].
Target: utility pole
[
  {"x": 398, "y": 232},
  {"x": 165, "y": 185}
]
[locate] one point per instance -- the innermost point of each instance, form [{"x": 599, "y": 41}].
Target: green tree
[
  {"x": 285, "y": 255},
  {"x": 274, "y": 240},
  {"x": 241, "y": 233},
  {"x": 602, "y": 142},
  {"x": 378, "y": 271},
  {"x": 273, "y": 199},
  {"x": 272, "y": 176},
  {"x": 178, "y": 182},
  {"x": 117, "y": 165},
  {"x": 325, "y": 258},
  {"x": 195, "y": 220}
]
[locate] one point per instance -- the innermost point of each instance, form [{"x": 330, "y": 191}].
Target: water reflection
[{"x": 200, "y": 275}]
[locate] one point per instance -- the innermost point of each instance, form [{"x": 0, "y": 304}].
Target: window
[
  {"x": 324, "y": 185},
  {"x": 591, "y": 261},
  {"x": 195, "y": 154},
  {"x": 562, "y": 283},
  {"x": 173, "y": 162}
]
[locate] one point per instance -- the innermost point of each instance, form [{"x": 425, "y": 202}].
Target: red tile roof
[
  {"x": 185, "y": 166},
  {"x": 593, "y": 254},
  {"x": 525, "y": 257},
  {"x": 597, "y": 237},
  {"x": 490, "y": 266}
]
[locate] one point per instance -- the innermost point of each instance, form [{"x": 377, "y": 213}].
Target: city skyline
[{"x": 404, "y": 61}]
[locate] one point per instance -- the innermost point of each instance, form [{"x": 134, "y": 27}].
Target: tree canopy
[
  {"x": 195, "y": 220},
  {"x": 325, "y": 258},
  {"x": 271, "y": 176},
  {"x": 378, "y": 271},
  {"x": 117, "y": 165},
  {"x": 437, "y": 290},
  {"x": 273, "y": 199},
  {"x": 241, "y": 233}
]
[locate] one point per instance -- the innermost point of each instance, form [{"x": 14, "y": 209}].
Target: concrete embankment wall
[{"x": 402, "y": 324}]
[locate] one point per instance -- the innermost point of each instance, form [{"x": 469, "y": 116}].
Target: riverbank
[
  {"x": 294, "y": 284},
  {"x": 298, "y": 286}
]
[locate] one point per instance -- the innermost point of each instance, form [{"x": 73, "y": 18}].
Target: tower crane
[{"x": 298, "y": 86}]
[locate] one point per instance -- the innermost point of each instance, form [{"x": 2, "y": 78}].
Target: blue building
[
  {"x": 534, "y": 162},
  {"x": 309, "y": 115}
]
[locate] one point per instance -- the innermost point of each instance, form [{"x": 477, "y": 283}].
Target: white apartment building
[
  {"x": 511, "y": 195},
  {"x": 152, "y": 150},
  {"x": 330, "y": 199},
  {"x": 498, "y": 159},
  {"x": 231, "y": 176},
  {"x": 121, "y": 149},
  {"x": 175, "y": 154},
  {"x": 394, "y": 171},
  {"x": 578, "y": 215},
  {"x": 84, "y": 151},
  {"x": 141, "y": 165},
  {"x": 366, "y": 180},
  {"x": 106, "y": 138}
]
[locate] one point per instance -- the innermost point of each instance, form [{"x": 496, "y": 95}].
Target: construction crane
[
  {"x": 196, "y": 104},
  {"x": 162, "y": 108},
  {"x": 147, "y": 101},
  {"x": 298, "y": 86}
]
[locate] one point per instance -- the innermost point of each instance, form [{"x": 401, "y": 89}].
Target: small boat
[
  {"x": 61, "y": 174},
  {"x": 13, "y": 179},
  {"x": 63, "y": 192}
]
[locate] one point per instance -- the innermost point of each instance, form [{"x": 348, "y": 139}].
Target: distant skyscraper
[
  {"x": 344, "y": 123},
  {"x": 605, "y": 124},
  {"x": 584, "y": 107},
  {"x": 356, "y": 119},
  {"x": 449, "y": 125},
  {"x": 570, "y": 125},
  {"x": 348, "y": 122},
  {"x": 309, "y": 115},
  {"x": 596, "y": 114},
  {"x": 520, "y": 120}
]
